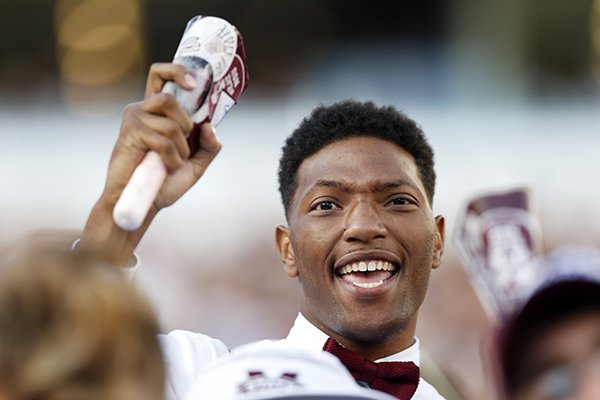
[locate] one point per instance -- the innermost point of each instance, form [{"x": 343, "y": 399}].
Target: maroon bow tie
[{"x": 398, "y": 378}]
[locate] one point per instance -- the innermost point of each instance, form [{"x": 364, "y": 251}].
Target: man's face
[
  {"x": 360, "y": 205},
  {"x": 564, "y": 360}
]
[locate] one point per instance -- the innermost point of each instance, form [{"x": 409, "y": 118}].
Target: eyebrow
[
  {"x": 334, "y": 184},
  {"x": 392, "y": 185},
  {"x": 378, "y": 187}
]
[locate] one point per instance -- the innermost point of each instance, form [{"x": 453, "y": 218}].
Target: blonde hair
[{"x": 72, "y": 328}]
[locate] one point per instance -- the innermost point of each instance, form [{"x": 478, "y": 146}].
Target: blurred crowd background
[{"x": 507, "y": 91}]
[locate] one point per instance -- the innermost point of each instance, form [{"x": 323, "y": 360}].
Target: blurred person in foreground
[
  {"x": 71, "y": 327},
  {"x": 357, "y": 184},
  {"x": 549, "y": 349}
]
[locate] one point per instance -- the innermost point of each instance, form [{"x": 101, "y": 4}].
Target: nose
[{"x": 363, "y": 223}]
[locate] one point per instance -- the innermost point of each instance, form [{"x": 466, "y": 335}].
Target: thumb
[{"x": 210, "y": 145}]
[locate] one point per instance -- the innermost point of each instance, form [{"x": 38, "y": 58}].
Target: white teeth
[
  {"x": 364, "y": 266},
  {"x": 368, "y": 285}
]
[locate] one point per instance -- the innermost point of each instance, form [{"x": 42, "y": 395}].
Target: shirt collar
[{"x": 306, "y": 335}]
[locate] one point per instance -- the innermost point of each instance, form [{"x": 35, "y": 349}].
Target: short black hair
[{"x": 351, "y": 118}]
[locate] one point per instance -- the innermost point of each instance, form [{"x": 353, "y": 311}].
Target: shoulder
[
  {"x": 186, "y": 354},
  {"x": 426, "y": 392},
  {"x": 194, "y": 346}
]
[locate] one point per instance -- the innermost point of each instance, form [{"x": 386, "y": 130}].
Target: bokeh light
[
  {"x": 100, "y": 52},
  {"x": 595, "y": 35}
]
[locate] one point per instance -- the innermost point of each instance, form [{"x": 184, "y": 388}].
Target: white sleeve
[
  {"x": 425, "y": 391},
  {"x": 130, "y": 270},
  {"x": 186, "y": 354}
]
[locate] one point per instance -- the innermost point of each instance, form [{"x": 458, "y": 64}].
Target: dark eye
[
  {"x": 400, "y": 201},
  {"x": 326, "y": 206}
]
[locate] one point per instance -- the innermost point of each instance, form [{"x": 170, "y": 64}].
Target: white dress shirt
[
  {"x": 188, "y": 353},
  {"x": 304, "y": 334}
]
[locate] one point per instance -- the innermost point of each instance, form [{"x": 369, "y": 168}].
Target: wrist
[{"x": 101, "y": 232}]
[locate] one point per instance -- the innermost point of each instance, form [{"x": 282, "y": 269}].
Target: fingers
[
  {"x": 165, "y": 105},
  {"x": 159, "y": 123},
  {"x": 142, "y": 131},
  {"x": 210, "y": 145},
  {"x": 166, "y": 148},
  {"x": 170, "y": 130},
  {"x": 161, "y": 72}
]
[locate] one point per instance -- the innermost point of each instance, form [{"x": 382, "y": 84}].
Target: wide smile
[{"x": 367, "y": 274}]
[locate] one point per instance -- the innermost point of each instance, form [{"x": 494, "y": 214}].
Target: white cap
[
  {"x": 570, "y": 263},
  {"x": 270, "y": 370}
]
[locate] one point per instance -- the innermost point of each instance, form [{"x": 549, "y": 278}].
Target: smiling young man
[{"x": 357, "y": 184}]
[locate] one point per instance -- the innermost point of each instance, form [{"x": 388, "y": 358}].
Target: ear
[
  {"x": 284, "y": 245},
  {"x": 438, "y": 251}
]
